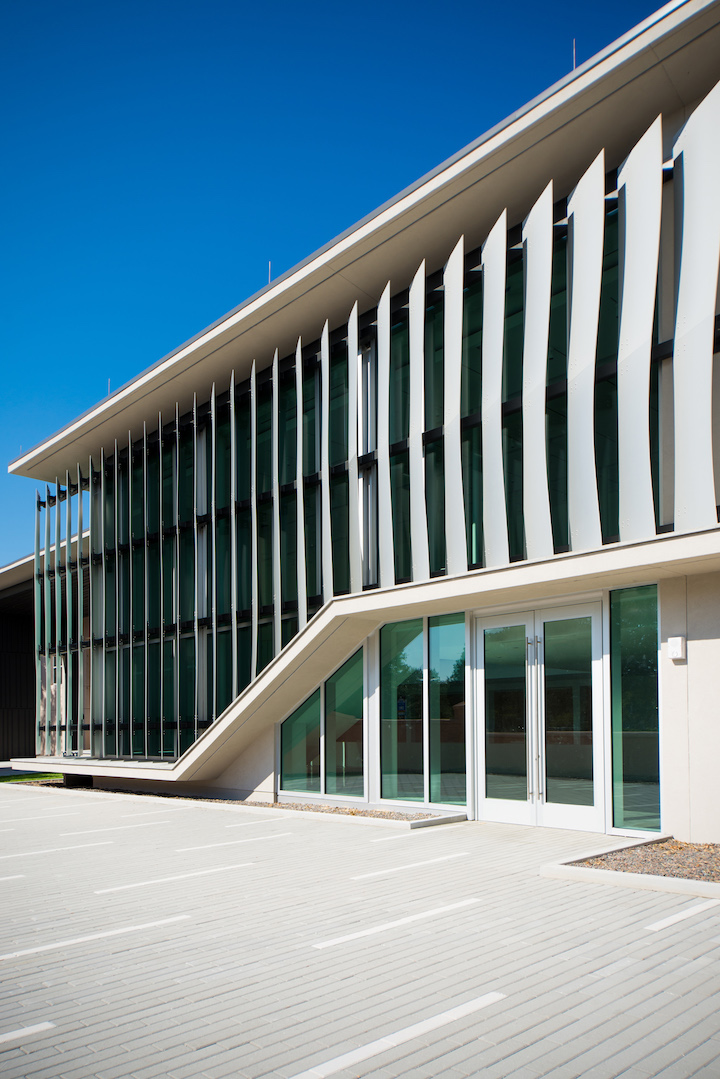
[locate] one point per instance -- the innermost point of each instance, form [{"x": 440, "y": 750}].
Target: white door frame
[{"x": 535, "y": 809}]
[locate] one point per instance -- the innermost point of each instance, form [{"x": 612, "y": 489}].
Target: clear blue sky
[{"x": 158, "y": 154}]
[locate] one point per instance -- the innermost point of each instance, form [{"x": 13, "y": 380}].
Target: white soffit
[{"x": 663, "y": 65}]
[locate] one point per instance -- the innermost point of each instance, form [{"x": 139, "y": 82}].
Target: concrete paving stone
[{"x": 703, "y": 1060}]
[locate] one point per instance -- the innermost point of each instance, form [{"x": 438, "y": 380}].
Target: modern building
[{"x": 432, "y": 520}]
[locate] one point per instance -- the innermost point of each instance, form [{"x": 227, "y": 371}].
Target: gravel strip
[
  {"x": 669, "y": 858},
  {"x": 346, "y": 811}
]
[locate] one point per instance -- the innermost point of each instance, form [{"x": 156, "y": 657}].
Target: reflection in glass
[
  {"x": 401, "y": 710},
  {"x": 505, "y": 713},
  {"x": 568, "y": 711},
  {"x": 447, "y": 708},
  {"x": 634, "y": 682},
  {"x": 344, "y": 729},
  {"x": 300, "y": 747}
]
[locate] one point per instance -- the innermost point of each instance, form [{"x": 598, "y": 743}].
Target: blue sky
[{"x": 158, "y": 154}]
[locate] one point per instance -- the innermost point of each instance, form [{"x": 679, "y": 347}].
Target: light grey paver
[{"x": 238, "y": 991}]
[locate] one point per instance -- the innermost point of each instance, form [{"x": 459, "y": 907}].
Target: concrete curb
[
  {"x": 258, "y": 810},
  {"x": 583, "y": 874}
]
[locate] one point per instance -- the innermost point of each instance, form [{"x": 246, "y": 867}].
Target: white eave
[{"x": 663, "y": 65}]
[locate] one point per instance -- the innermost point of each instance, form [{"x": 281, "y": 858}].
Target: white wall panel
[
  {"x": 697, "y": 185},
  {"x": 586, "y": 230},
  {"x": 538, "y": 242},
  {"x": 354, "y": 539},
  {"x": 326, "y": 530},
  {"x": 640, "y": 196},
  {"x": 418, "y": 507},
  {"x": 494, "y": 268},
  {"x": 455, "y": 535},
  {"x": 300, "y": 491},
  {"x": 385, "y": 528}
]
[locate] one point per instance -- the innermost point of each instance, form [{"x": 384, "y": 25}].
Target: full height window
[
  {"x": 422, "y": 710},
  {"x": 322, "y": 742}
]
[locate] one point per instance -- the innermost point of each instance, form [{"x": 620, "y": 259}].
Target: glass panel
[
  {"x": 472, "y": 345},
  {"x": 187, "y": 575},
  {"x": 153, "y": 569},
  {"x": 512, "y": 460},
  {"x": 300, "y": 747},
  {"x": 222, "y": 461},
  {"x": 568, "y": 711},
  {"x": 242, "y": 446},
  {"x": 557, "y": 343},
  {"x": 244, "y": 638},
  {"x": 447, "y": 708},
  {"x": 472, "y": 486},
  {"x": 399, "y": 377},
  {"x": 169, "y": 580},
  {"x": 185, "y": 486},
  {"x": 608, "y": 326},
  {"x": 264, "y": 439},
  {"x": 435, "y": 499},
  {"x": 138, "y": 590},
  {"x": 287, "y": 430},
  {"x": 244, "y": 560},
  {"x": 556, "y": 433},
  {"x": 138, "y": 702},
  {"x": 606, "y": 456},
  {"x": 434, "y": 362},
  {"x": 153, "y": 490},
  {"x": 170, "y": 745},
  {"x": 634, "y": 682},
  {"x": 124, "y": 727},
  {"x": 513, "y": 337},
  {"x": 110, "y": 717},
  {"x": 311, "y": 393},
  {"x": 288, "y": 548},
  {"x": 222, "y": 549},
  {"x": 400, "y": 495},
  {"x": 339, "y": 487},
  {"x": 264, "y": 554},
  {"x": 224, "y": 670},
  {"x": 153, "y": 731},
  {"x": 265, "y": 645},
  {"x": 288, "y": 628},
  {"x": 344, "y": 729},
  {"x": 338, "y": 426},
  {"x": 312, "y": 540},
  {"x": 187, "y": 692},
  {"x": 505, "y": 713},
  {"x": 401, "y": 710}
]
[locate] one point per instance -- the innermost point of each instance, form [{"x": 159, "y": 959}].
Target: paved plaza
[{"x": 152, "y": 937}]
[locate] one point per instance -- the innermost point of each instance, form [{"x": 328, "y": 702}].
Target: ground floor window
[
  {"x": 322, "y": 743},
  {"x": 422, "y": 710},
  {"x": 634, "y": 681}
]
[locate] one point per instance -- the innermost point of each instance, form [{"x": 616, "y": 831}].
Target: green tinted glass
[
  {"x": 634, "y": 681},
  {"x": 447, "y": 708},
  {"x": 344, "y": 729},
  {"x": 300, "y": 747},
  {"x": 401, "y": 710}
]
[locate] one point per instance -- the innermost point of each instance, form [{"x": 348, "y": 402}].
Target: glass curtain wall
[{"x": 189, "y": 527}]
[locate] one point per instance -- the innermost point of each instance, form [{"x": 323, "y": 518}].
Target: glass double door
[{"x": 540, "y": 706}]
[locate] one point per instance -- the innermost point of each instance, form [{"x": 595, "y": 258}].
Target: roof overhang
[{"x": 664, "y": 65}]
